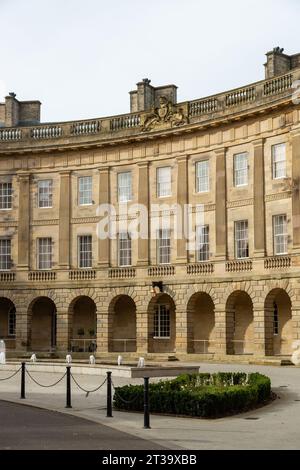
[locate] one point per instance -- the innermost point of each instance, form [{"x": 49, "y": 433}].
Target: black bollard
[
  {"x": 68, "y": 397},
  {"x": 23, "y": 372},
  {"x": 109, "y": 396},
  {"x": 146, "y": 404}
]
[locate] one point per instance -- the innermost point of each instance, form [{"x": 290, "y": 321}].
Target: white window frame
[
  {"x": 11, "y": 322},
  {"x": 124, "y": 190},
  {"x": 80, "y": 259},
  {"x": 85, "y": 190},
  {"x": 162, "y": 322},
  {"x": 276, "y": 163},
  {"x": 44, "y": 258},
  {"x": 5, "y": 254},
  {"x": 241, "y": 169},
  {"x": 124, "y": 252},
  {"x": 202, "y": 240},
  {"x": 164, "y": 235},
  {"x": 202, "y": 171},
  {"x": 277, "y": 235},
  {"x": 48, "y": 193},
  {"x": 6, "y": 192},
  {"x": 163, "y": 182},
  {"x": 244, "y": 240}
]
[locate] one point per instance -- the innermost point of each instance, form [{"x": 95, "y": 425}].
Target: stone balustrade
[
  {"x": 82, "y": 275},
  {"x": 238, "y": 266},
  {"x": 10, "y": 134},
  {"x": 244, "y": 95},
  {"x": 278, "y": 85},
  {"x": 46, "y": 132},
  {"x": 163, "y": 270},
  {"x": 85, "y": 127},
  {"x": 278, "y": 262},
  {"x": 41, "y": 276},
  {"x": 203, "y": 106},
  {"x": 7, "y": 277},
  {"x": 122, "y": 273},
  {"x": 125, "y": 122},
  {"x": 200, "y": 269}
]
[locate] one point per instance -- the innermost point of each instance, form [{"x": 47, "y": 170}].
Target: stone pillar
[
  {"x": 295, "y": 144},
  {"x": 181, "y": 330},
  {"x": 143, "y": 198},
  {"x": 64, "y": 220},
  {"x": 102, "y": 330},
  {"x": 220, "y": 346},
  {"x": 142, "y": 331},
  {"x": 63, "y": 330},
  {"x": 23, "y": 327},
  {"x": 296, "y": 322},
  {"x": 182, "y": 201},
  {"x": 259, "y": 331},
  {"x": 104, "y": 198},
  {"x": 24, "y": 222},
  {"x": 221, "y": 209},
  {"x": 259, "y": 199}
]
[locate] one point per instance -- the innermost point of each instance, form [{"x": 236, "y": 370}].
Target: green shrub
[{"x": 199, "y": 395}]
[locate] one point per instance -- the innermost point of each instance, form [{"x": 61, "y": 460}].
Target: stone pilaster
[
  {"x": 142, "y": 332},
  {"x": 63, "y": 330},
  {"x": 259, "y": 330},
  {"x": 220, "y": 331},
  {"x": 295, "y": 145},
  {"x": 181, "y": 331},
  {"x": 182, "y": 201},
  {"x": 259, "y": 199},
  {"x": 104, "y": 198},
  {"x": 24, "y": 221},
  {"x": 64, "y": 219},
  {"x": 23, "y": 328},
  {"x": 221, "y": 199},
  {"x": 143, "y": 199},
  {"x": 102, "y": 330},
  {"x": 296, "y": 322}
]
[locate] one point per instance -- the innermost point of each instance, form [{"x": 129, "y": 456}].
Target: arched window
[{"x": 12, "y": 322}]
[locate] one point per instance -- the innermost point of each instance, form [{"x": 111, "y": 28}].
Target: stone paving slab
[{"x": 276, "y": 426}]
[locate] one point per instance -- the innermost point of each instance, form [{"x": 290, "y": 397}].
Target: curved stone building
[{"x": 236, "y": 291}]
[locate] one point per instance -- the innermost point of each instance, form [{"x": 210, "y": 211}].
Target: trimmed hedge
[{"x": 198, "y": 395}]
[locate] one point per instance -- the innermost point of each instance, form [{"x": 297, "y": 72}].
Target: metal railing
[
  {"x": 83, "y": 345},
  {"x": 124, "y": 345},
  {"x": 242, "y": 347},
  {"x": 202, "y": 346}
]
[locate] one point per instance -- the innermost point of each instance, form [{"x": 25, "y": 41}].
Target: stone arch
[
  {"x": 128, "y": 291},
  {"x": 41, "y": 318},
  {"x": 239, "y": 323},
  {"x": 200, "y": 323},
  {"x": 162, "y": 324},
  {"x": 82, "y": 313},
  {"x": 278, "y": 322},
  {"x": 8, "y": 322},
  {"x": 122, "y": 324}
]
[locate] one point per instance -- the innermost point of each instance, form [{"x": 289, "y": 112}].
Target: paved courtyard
[{"x": 276, "y": 426}]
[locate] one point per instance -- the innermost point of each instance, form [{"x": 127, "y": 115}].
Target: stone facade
[{"x": 223, "y": 306}]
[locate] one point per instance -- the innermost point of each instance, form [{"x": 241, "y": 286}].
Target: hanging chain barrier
[
  {"x": 127, "y": 402},
  {"x": 11, "y": 376},
  {"x": 43, "y": 385},
  {"x": 88, "y": 391}
]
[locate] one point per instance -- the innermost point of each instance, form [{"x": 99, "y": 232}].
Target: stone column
[
  {"x": 296, "y": 322},
  {"x": 221, "y": 209},
  {"x": 181, "y": 330},
  {"x": 143, "y": 198},
  {"x": 182, "y": 201},
  {"x": 63, "y": 330},
  {"x": 23, "y": 327},
  {"x": 104, "y": 198},
  {"x": 24, "y": 221},
  {"x": 142, "y": 331},
  {"x": 259, "y": 331},
  {"x": 295, "y": 144},
  {"x": 102, "y": 330},
  {"x": 259, "y": 199},
  {"x": 64, "y": 220},
  {"x": 220, "y": 346}
]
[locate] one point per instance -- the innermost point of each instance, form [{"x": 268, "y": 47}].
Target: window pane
[
  {"x": 124, "y": 187},
  {"x": 44, "y": 253},
  {"x": 279, "y": 161},
  {"x": 85, "y": 251},
  {"x": 202, "y": 253},
  {"x": 124, "y": 249},
  {"x": 241, "y": 239},
  {"x": 12, "y": 322},
  {"x": 45, "y": 193},
  {"x": 164, "y": 246},
  {"x": 162, "y": 322},
  {"x": 5, "y": 195},
  {"x": 280, "y": 235},
  {"x": 202, "y": 177},
  {"x": 85, "y": 190},
  {"x": 164, "y": 182},
  {"x": 5, "y": 254},
  {"x": 241, "y": 169}
]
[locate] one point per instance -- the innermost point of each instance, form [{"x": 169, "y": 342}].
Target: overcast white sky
[{"x": 82, "y": 57}]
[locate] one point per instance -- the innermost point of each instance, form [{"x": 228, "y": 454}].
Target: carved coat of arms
[{"x": 166, "y": 113}]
